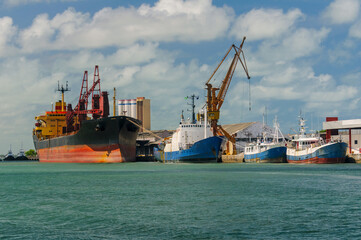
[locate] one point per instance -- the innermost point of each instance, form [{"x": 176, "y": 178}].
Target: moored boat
[
  {"x": 67, "y": 135},
  {"x": 192, "y": 142},
  {"x": 9, "y": 156},
  {"x": 313, "y": 149},
  {"x": 266, "y": 151},
  {"x": 21, "y": 155}
]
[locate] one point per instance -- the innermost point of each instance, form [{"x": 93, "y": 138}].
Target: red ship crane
[
  {"x": 214, "y": 99},
  {"x": 100, "y": 102}
]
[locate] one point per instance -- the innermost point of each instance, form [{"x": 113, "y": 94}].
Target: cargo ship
[
  {"x": 266, "y": 151},
  {"x": 70, "y": 135},
  {"x": 312, "y": 149}
]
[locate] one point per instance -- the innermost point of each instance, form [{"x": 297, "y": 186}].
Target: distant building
[
  {"x": 348, "y": 131},
  {"x": 138, "y": 108},
  {"x": 247, "y": 132}
]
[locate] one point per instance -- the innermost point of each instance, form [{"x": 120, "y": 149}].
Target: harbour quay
[{"x": 348, "y": 131}]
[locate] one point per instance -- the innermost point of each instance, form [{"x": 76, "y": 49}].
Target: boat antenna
[
  {"x": 192, "y": 97},
  {"x": 63, "y": 90}
]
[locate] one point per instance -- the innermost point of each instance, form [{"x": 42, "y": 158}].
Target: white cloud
[
  {"x": 176, "y": 7},
  {"x": 7, "y": 32},
  {"x": 301, "y": 84},
  {"x": 273, "y": 54},
  {"x": 292, "y": 87},
  {"x": 341, "y": 11},
  {"x": 38, "y": 35},
  {"x": 15, "y": 3},
  {"x": 304, "y": 42},
  {"x": 183, "y": 21},
  {"x": 355, "y": 30},
  {"x": 264, "y": 23}
]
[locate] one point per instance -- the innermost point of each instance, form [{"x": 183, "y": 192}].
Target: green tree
[{"x": 30, "y": 152}]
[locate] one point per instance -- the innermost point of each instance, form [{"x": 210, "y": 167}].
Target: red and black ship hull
[{"x": 104, "y": 140}]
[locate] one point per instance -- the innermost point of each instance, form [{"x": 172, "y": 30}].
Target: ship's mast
[
  {"x": 62, "y": 90},
  {"x": 114, "y": 102},
  {"x": 193, "y": 106}
]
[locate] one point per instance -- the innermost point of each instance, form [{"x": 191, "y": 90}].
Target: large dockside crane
[{"x": 216, "y": 96}]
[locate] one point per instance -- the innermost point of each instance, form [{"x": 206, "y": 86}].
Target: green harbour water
[{"x": 179, "y": 201}]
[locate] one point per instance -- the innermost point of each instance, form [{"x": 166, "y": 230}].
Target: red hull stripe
[
  {"x": 318, "y": 160},
  {"x": 85, "y": 154}
]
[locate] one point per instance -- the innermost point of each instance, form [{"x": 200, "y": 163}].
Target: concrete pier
[{"x": 233, "y": 158}]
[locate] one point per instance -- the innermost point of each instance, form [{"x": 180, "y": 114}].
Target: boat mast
[
  {"x": 193, "y": 106},
  {"x": 114, "y": 102},
  {"x": 62, "y": 90},
  {"x": 205, "y": 122}
]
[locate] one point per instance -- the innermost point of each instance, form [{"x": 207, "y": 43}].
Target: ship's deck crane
[
  {"x": 99, "y": 100},
  {"x": 215, "y": 99}
]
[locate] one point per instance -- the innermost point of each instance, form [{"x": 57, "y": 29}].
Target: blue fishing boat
[
  {"x": 266, "y": 151},
  {"x": 313, "y": 149}
]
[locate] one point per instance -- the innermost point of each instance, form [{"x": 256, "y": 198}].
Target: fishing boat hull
[
  {"x": 204, "y": 151},
  {"x": 104, "y": 140},
  {"x": 272, "y": 155},
  {"x": 325, "y": 154}
]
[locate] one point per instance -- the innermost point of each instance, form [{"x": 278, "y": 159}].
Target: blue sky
[{"x": 301, "y": 55}]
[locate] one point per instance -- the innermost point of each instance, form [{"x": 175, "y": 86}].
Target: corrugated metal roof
[{"x": 234, "y": 128}]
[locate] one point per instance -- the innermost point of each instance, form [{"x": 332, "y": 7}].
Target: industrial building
[
  {"x": 138, "y": 108},
  {"x": 348, "y": 131}
]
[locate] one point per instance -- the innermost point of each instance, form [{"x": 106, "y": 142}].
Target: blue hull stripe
[
  {"x": 276, "y": 153},
  {"x": 206, "y": 150},
  {"x": 336, "y": 150}
]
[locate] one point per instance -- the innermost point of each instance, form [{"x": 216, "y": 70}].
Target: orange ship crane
[{"x": 216, "y": 96}]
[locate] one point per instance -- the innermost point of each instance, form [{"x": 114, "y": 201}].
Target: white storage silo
[{"x": 133, "y": 108}]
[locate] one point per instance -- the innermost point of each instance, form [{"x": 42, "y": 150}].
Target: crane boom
[{"x": 215, "y": 99}]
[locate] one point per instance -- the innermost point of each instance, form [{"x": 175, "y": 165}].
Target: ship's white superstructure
[{"x": 186, "y": 135}]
